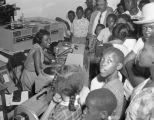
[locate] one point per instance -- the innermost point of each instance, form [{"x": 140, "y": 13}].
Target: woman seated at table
[{"x": 34, "y": 63}]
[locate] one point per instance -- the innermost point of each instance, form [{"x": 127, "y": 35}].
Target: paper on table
[{"x": 75, "y": 59}]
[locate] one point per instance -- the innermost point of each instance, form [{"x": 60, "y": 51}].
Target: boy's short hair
[
  {"x": 79, "y": 8},
  {"x": 71, "y": 12},
  {"x": 118, "y": 53},
  {"x": 103, "y": 99}
]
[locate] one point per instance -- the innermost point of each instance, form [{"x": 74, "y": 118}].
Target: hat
[{"x": 147, "y": 14}]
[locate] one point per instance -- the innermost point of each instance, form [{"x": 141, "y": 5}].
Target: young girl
[
  {"x": 69, "y": 84},
  {"x": 34, "y": 63}
]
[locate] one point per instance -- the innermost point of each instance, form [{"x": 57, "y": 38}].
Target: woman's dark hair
[
  {"x": 39, "y": 36},
  {"x": 121, "y": 31},
  {"x": 70, "y": 82}
]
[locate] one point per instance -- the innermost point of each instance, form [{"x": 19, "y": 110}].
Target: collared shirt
[
  {"x": 80, "y": 27},
  {"x": 142, "y": 103}
]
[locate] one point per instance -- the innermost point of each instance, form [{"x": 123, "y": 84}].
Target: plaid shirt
[
  {"x": 142, "y": 105},
  {"x": 62, "y": 112}
]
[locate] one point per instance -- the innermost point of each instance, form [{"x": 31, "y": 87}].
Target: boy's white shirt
[{"x": 95, "y": 84}]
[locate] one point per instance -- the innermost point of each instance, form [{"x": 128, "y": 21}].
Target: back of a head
[
  {"x": 121, "y": 31},
  {"x": 70, "y": 78},
  {"x": 125, "y": 17},
  {"x": 118, "y": 53},
  {"x": 103, "y": 100}
]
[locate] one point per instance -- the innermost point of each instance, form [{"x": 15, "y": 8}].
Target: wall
[{"x": 45, "y": 8}]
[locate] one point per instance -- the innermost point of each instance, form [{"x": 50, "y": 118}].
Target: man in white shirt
[{"x": 99, "y": 15}]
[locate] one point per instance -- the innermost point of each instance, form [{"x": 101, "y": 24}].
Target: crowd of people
[{"x": 119, "y": 36}]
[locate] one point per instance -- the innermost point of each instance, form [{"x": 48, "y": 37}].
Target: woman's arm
[{"x": 37, "y": 62}]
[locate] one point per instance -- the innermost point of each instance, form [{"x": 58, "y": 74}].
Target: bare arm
[{"x": 37, "y": 62}]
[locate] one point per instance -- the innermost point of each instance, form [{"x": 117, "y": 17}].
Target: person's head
[
  {"x": 88, "y": 13},
  {"x": 123, "y": 18},
  {"x": 111, "y": 20},
  {"x": 111, "y": 62},
  {"x": 120, "y": 8},
  {"x": 89, "y": 3},
  {"x": 130, "y": 4},
  {"x": 147, "y": 30},
  {"x": 70, "y": 80},
  {"x": 79, "y": 12},
  {"x": 100, "y": 104},
  {"x": 121, "y": 31},
  {"x": 42, "y": 38},
  {"x": 101, "y": 5},
  {"x": 146, "y": 57},
  {"x": 147, "y": 20},
  {"x": 99, "y": 27},
  {"x": 71, "y": 15}
]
